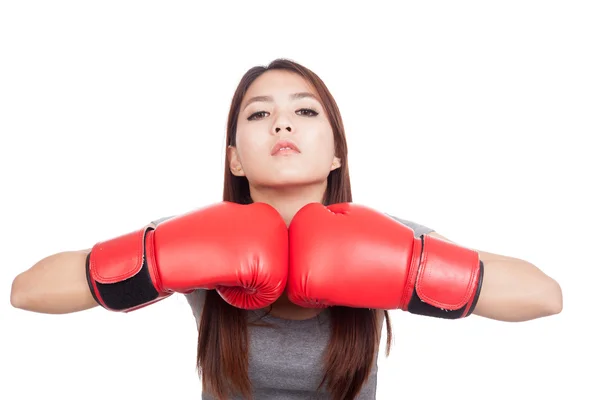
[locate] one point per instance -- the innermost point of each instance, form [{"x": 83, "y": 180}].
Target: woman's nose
[
  {"x": 279, "y": 128},
  {"x": 282, "y": 124}
]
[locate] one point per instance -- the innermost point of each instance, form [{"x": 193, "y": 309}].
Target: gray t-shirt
[{"x": 285, "y": 359}]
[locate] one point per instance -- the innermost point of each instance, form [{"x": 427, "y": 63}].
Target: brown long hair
[{"x": 223, "y": 334}]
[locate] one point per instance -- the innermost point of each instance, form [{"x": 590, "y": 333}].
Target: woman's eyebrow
[{"x": 293, "y": 96}]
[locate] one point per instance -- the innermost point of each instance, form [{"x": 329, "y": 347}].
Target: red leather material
[
  {"x": 153, "y": 269},
  {"x": 239, "y": 250},
  {"x": 448, "y": 275},
  {"x": 413, "y": 270},
  {"x": 117, "y": 259},
  {"x": 346, "y": 254},
  {"x": 350, "y": 255}
]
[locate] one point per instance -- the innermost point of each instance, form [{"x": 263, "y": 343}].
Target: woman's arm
[
  {"x": 515, "y": 290},
  {"x": 54, "y": 285}
]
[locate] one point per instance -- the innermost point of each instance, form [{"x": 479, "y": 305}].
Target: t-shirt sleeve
[
  {"x": 417, "y": 228},
  {"x": 163, "y": 219},
  {"x": 196, "y": 302}
]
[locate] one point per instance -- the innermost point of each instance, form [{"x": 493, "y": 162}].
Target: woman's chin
[
  {"x": 283, "y": 181},
  {"x": 298, "y": 180}
]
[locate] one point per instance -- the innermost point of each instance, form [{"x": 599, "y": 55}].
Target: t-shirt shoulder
[
  {"x": 417, "y": 228},
  {"x": 163, "y": 219}
]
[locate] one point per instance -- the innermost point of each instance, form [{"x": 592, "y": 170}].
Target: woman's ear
[
  {"x": 234, "y": 161},
  {"x": 336, "y": 163}
]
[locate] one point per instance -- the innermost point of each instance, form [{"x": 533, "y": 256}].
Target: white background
[{"x": 476, "y": 119}]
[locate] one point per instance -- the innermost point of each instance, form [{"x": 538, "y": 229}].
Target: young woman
[{"x": 289, "y": 281}]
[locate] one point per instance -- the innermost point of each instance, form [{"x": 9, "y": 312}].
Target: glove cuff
[
  {"x": 448, "y": 281},
  {"x": 120, "y": 272}
]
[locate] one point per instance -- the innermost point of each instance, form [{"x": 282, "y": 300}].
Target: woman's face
[{"x": 283, "y": 135}]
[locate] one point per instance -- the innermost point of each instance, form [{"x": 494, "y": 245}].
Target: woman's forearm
[
  {"x": 54, "y": 285},
  {"x": 515, "y": 290}
]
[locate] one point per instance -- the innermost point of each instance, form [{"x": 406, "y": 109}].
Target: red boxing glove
[
  {"x": 349, "y": 255},
  {"x": 239, "y": 250}
]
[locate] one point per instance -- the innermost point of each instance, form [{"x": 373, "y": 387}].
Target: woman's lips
[{"x": 284, "y": 147}]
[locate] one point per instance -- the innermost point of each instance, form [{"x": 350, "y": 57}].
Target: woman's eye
[
  {"x": 256, "y": 114},
  {"x": 308, "y": 112},
  {"x": 303, "y": 111}
]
